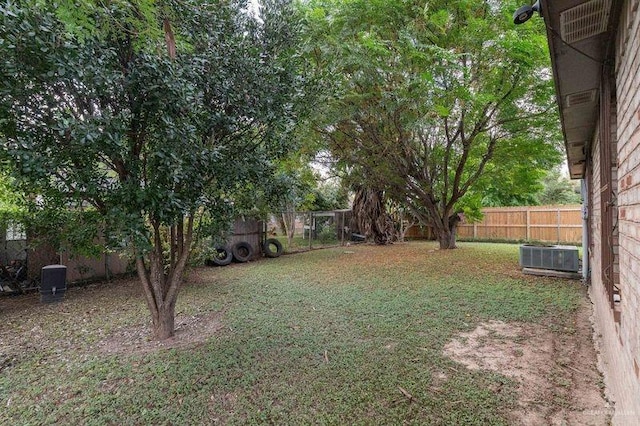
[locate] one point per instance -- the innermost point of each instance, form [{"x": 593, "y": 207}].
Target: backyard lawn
[{"x": 350, "y": 335}]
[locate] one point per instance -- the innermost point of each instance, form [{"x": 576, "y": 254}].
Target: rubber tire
[
  {"x": 242, "y": 251},
  {"x": 266, "y": 248},
  {"x": 225, "y": 256}
]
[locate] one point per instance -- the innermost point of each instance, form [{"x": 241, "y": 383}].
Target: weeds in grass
[{"x": 324, "y": 337}]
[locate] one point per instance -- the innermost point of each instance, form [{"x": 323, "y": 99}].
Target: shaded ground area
[
  {"x": 358, "y": 335},
  {"x": 191, "y": 331}
]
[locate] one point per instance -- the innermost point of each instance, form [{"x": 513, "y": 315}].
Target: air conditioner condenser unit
[{"x": 556, "y": 258}]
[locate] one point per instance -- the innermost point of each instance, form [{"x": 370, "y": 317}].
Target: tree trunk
[
  {"x": 447, "y": 239},
  {"x": 371, "y": 217},
  {"x": 282, "y": 224},
  {"x": 164, "y": 324},
  {"x": 447, "y": 235},
  {"x": 288, "y": 223},
  {"x": 161, "y": 284}
]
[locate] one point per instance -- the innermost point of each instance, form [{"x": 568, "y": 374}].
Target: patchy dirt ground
[
  {"x": 558, "y": 381},
  {"x": 114, "y": 303},
  {"x": 555, "y": 368},
  {"x": 191, "y": 331}
]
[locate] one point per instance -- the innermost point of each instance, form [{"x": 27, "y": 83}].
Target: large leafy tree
[
  {"x": 426, "y": 95},
  {"x": 558, "y": 189},
  {"x": 145, "y": 113}
]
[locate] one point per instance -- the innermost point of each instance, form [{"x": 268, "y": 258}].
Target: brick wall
[
  {"x": 595, "y": 217},
  {"x": 619, "y": 328}
]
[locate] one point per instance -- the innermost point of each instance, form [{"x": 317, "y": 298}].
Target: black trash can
[{"x": 53, "y": 283}]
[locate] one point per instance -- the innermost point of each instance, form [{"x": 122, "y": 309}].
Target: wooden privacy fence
[
  {"x": 249, "y": 231},
  {"x": 80, "y": 268},
  {"x": 532, "y": 223}
]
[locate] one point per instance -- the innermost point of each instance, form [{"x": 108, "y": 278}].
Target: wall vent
[
  {"x": 585, "y": 20},
  {"x": 580, "y": 98},
  {"x": 556, "y": 258}
]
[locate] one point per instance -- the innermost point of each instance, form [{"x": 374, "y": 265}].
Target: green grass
[{"x": 380, "y": 316}]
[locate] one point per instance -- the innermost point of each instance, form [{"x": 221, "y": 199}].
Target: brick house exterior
[{"x": 595, "y": 52}]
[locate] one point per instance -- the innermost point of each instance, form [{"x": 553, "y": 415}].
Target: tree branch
[{"x": 183, "y": 256}]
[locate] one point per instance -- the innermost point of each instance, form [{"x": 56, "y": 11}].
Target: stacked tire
[
  {"x": 272, "y": 248},
  {"x": 222, "y": 256},
  {"x": 242, "y": 252}
]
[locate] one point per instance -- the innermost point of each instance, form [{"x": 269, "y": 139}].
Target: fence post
[
  {"x": 528, "y": 223},
  {"x": 558, "y": 221},
  {"x": 106, "y": 265},
  {"x": 310, "y": 228},
  {"x": 342, "y": 230}
]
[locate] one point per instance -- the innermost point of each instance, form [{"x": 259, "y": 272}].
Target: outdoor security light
[{"x": 524, "y": 13}]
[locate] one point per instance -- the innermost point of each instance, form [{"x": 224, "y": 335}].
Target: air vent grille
[
  {"x": 580, "y": 98},
  {"x": 557, "y": 258},
  {"x": 585, "y": 20}
]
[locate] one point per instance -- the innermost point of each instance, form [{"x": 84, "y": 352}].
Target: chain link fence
[{"x": 301, "y": 231}]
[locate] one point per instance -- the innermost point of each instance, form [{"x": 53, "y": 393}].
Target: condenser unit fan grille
[{"x": 556, "y": 258}]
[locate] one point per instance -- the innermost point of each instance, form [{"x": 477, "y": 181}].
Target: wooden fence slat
[
  {"x": 555, "y": 224},
  {"x": 543, "y": 223}
]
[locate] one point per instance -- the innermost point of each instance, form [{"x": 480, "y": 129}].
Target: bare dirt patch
[
  {"x": 558, "y": 381},
  {"x": 191, "y": 331},
  {"x": 87, "y": 313}
]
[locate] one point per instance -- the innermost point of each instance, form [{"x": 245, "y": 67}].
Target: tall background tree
[
  {"x": 144, "y": 113},
  {"x": 429, "y": 101},
  {"x": 558, "y": 189}
]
